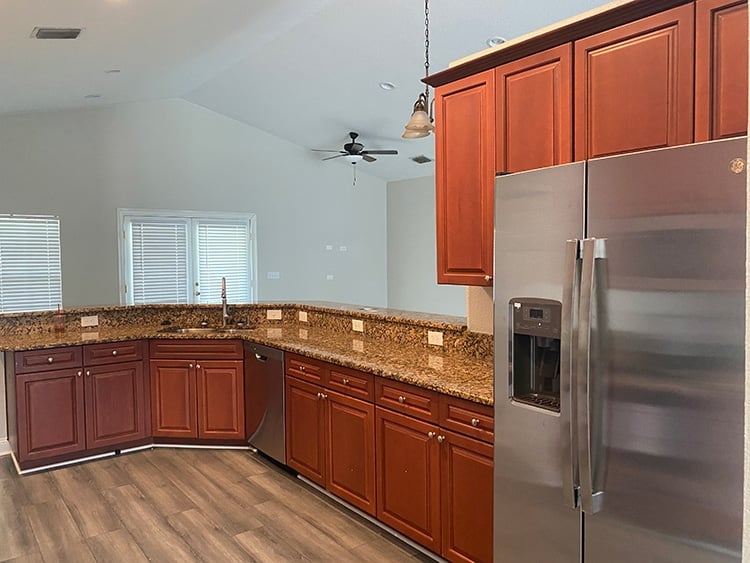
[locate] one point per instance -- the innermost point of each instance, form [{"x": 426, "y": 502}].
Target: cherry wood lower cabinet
[
  {"x": 174, "y": 411},
  {"x": 75, "y": 401},
  {"x": 331, "y": 441}
]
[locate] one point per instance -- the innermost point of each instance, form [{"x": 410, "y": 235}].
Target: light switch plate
[
  {"x": 303, "y": 316},
  {"x": 92, "y": 320},
  {"x": 273, "y": 314},
  {"x": 358, "y": 325},
  {"x": 274, "y": 275},
  {"x": 435, "y": 337}
]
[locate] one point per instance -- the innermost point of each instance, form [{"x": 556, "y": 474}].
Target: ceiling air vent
[
  {"x": 56, "y": 32},
  {"x": 421, "y": 159}
]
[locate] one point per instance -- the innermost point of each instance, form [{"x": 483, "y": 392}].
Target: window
[
  {"x": 180, "y": 257},
  {"x": 30, "y": 272}
]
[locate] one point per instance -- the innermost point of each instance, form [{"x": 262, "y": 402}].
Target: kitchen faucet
[{"x": 224, "y": 312}]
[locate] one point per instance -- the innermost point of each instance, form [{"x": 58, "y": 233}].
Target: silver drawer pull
[
  {"x": 475, "y": 422},
  {"x": 114, "y": 352},
  {"x": 50, "y": 360},
  {"x": 345, "y": 381},
  {"x": 441, "y": 439},
  {"x": 430, "y": 434},
  {"x": 401, "y": 399},
  {"x": 302, "y": 368}
]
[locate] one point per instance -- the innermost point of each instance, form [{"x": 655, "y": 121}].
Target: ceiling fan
[{"x": 354, "y": 151}]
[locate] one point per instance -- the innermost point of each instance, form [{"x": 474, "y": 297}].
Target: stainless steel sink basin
[{"x": 204, "y": 330}]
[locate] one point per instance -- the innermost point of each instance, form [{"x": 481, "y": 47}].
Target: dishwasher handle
[{"x": 260, "y": 358}]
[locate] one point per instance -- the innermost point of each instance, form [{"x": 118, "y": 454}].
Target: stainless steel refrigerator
[{"x": 619, "y": 358}]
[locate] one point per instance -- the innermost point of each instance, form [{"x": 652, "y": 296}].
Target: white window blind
[
  {"x": 30, "y": 272},
  {"x": 223, "y": 251},
  {"x": 180, "y": 257},
  {"x": 159, "y": 261}
]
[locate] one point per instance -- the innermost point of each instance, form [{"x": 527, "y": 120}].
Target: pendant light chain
[{"x": 426, "y": 46}]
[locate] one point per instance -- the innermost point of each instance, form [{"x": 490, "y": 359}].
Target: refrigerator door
[
  {"x": 666, "y": 396},
  {"x": 535, "y": 212}
]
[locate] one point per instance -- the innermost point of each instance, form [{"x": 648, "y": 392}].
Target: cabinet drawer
[
  {"x": 305, "y": 368},
  {"x": 351, "y": 382},
  {"x": 196, "y": 349},
  {"x": 468, "y": 418},
  {"x": 407, "y": 399},
  {"x": 48, "y": 359},
  {"x": 112, "y": 352}
]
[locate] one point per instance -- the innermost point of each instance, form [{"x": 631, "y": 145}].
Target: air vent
[
  {"x": 56, "y": 32},
  {"x": 421, "y": 159}
]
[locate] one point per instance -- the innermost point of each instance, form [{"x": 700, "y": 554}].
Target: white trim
[
  {"x": 200, "y": 447},
  {"x": 191, "y": 216}
]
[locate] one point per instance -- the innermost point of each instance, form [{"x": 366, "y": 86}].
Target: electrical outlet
[
  {"x": 303, "y": 316},
  {"x": 273, "y": 333},
  {"x": 329, "y": 277},
  {"x": 358, "y": 325},
  {"x": 435, "y": 337},
  {"x": 358, "y": 345},
  {"x": 92, "y": 320},
  {"x": 303, "y": 333},
  {"x": 329, "y": 247},
  {"x": 273, "y": 314},
  {"x": 343, "y": 248},
  {"x": 435, "y": 362}
]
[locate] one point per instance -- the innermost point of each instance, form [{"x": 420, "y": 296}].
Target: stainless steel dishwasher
[{"x": 264, "y": 400}]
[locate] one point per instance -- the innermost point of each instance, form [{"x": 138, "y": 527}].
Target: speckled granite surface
[{"x": 391, "y": 346}]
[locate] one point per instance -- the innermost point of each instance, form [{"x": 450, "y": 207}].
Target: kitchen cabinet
[
  {"x": 720, "y": 69},
  {"x": 634, "y": 86},
  {"x": 464, "y": 179},
  {"x": 195, "y": 397},
  {"x": 331, "y": 434},
  {"x": 435, "y": 485},
  {"x": 75, "y": 400},
  {"x": 534, "y": 111}
]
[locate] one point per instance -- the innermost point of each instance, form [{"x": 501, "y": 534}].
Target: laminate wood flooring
[{"x": 181, "y": 505}]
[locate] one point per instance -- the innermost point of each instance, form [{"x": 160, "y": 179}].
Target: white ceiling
[{"x": 306, "y": 71}]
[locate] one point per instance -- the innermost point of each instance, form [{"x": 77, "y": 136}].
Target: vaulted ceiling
[{"x": 306, "y": 71}]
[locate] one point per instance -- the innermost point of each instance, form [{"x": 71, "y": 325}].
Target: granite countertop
[{"x": 433, "y": 367}]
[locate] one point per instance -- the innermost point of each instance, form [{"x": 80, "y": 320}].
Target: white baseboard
[{"x": 4, "y": 447}]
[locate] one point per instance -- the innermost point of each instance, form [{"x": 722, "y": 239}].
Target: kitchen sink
[{"x": 204, "y": 330}]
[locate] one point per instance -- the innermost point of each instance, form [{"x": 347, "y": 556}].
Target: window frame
[{"x": 192, "y": 219}]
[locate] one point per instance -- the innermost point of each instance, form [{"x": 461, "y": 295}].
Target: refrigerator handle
[
  {"x": 591, "y": 500},
  {"x": 568, "y": 374}
]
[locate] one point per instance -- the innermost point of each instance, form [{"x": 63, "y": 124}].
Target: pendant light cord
[{"x": 426, "y": 47}]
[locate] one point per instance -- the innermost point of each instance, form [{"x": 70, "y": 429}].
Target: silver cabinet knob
[
  {"x": 475, "y": 422},
  {"x": 198, "y": 366},
  {"x": 114, "y": 352},
  {"x": 441, "y": 439},
  {"x": 190, "y": 365},
  {"x": 430, "y": 434},
  {"x": 50, "y": 360},
  {"x": 345, "y": 381},
  {"x": 323, "y": 396},
  {"x": 401, "y": 399},
  {"x": 302, "y": 368},
  {"x": 487, "y": 278},
  {"x": 88, "y": 373},
  {"x": 79, "y": 373},
  {"x": 320, "y": 395}
]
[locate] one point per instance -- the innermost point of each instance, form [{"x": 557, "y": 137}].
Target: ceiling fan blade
[
  {"x": 326, "y": 150},
  {"x": 334, "y": 156},
  {"x": 367, "y": 157},
  {"x": 379, "y": 152}
]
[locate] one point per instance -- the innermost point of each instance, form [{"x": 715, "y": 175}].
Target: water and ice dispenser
[{"x": 535, "y": 352}]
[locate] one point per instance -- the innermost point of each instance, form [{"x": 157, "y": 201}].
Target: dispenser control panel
[{"x": 540, "y": 317}]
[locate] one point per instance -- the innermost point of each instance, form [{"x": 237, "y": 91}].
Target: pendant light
[{"x": 420, "y": 123}]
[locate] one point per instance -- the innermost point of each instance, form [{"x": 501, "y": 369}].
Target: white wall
[
  {"x": 412, "y": 270},
  {"x": 171, "y": 154}
]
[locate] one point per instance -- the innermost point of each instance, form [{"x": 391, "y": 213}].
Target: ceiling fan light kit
[{"x": 421, "y": 123}]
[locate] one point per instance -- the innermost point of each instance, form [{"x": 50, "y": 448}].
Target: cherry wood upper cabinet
[
  {"x": 534, "y": 111},
  {"x": 465, "y": 177},
  {"x": 634, "y": 86},
  {"x": 720, "y": 69}
]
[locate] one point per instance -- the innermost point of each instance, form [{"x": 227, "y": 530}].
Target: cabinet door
[
  {"x": 634, "y": 86},
  {"x": 173, "y": 399},
  {"x": 466, "y": 471},
  {"x": 465, "y": 179},
  {"x": 115, "y": 404},
  {"x": 534, "y": 115},
  {"x": 305, "y": 429},
  {"x": 49, "y": 410},
  {"x": 350, "y": 473},
  {"x": 221, "y": 399},
  {"x": 720, "y": 69},
  {"x": 408, "y": 476}
]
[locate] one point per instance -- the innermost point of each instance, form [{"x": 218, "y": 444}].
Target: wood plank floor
[{"x": 181, "y": 505}]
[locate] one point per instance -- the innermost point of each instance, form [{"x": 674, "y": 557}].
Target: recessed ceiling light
[
  {"x": 495, "y": 41},
  {"x": 387, "y": 85},
  {"x": 56, "y": 32},
  {"x": 92, "y": 96}
]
